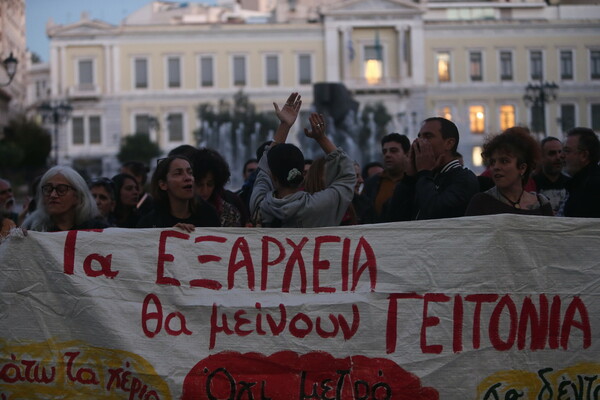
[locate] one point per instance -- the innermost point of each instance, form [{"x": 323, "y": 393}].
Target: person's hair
[
  {"x": 261, "y": 149},
  {"x": 137, "y": 168},
  {"x": 517, "y": 142},
  {"x": 548, "y": 139},
  {"x": 368, "y": 166},
  {"x": 398, "y": 138},
  {"x": 250, "y": 161},
  {"x": 208, "y": 160},
  {"x": 587, "y": 141},
  {"x": 184, "y": 150},
  {"x": 448, "y": 129},
  {"x": 119, "y": 181},
  {"x": 161, "y": 197},
  {"x": 286, "y": 163},
  {"x": 105, "y": 183},
  {"x": 314, "y": 181},
  {"x": 85, "y": 209}
]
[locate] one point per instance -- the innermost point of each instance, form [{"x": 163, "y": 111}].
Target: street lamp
[
  {"x": 10, "y": 66},
  {"x": 57, "y": 113},
  {"x": 536, "y": 96}
]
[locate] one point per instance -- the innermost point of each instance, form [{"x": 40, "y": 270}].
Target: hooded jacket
[{"x": 302, "y": 209}]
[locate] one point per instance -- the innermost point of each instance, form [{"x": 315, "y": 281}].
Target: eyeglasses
[{"x": 61, "y": 189}]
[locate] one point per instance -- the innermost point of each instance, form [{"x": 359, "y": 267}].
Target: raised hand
[
  {"x": 317, "y": 132},
  {"x": 317, "y": 126},
  {"x": 289, "y": 112}
]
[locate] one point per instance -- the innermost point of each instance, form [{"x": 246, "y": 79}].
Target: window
[
  {"x": 142, "y": 124},
  {"x": 175, "y": 126},
  {"x": 506, "y": 66},
  {"x": 595, "y": 113},
  {"x": 445, "y": 112},
  {"x": 476, "y": 156},
  {"x": 272, "y": 70},
  {"x": 475, "y": 66},
  {"x": 86, "y": 74},
  {"x": 304, "y": 69},
  {"x": 566, "y": 64},
  {"x": 567, "y": 116},
  {"x": 507, "y": 116},
  {"x": 95, "y": 130},
  {"x": 239, "y": 70},
  {"x": 90, "y": 128},
  {"x": 443, "y": 66},
  {"x": 373, "y": 64},
  {"x": 535, "y": 65},
  {"x": 78, "y": 130},
  {"x": 141, "y": 73},
  {"x": 477, "y": 119},
  {"x": 40, "y": 89},
  {"x": 207, "y": 71},
  {"x": 595, "y": 64},
  {"x": 174, "y": 72}
]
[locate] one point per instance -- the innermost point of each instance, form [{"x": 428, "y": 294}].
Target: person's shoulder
[{"x": 148, "y": 220}]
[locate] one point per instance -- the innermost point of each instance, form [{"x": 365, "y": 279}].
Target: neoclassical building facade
[{"x": 467, "y": 61}]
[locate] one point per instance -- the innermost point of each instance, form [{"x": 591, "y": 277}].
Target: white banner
[{"x": 495, "y": 307}]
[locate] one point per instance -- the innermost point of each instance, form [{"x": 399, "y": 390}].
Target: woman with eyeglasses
[
  {"x": 63, "y": 202},
  {"x": 175, "y": 205}
]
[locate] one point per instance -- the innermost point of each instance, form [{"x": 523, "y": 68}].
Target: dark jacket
[
  {"x": 428, "y": 196},
  {"x": 584, "y": 193},
  {"x": 204, "y": 215}
]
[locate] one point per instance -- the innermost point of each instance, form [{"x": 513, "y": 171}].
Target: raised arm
[
  {"x": 317, "y": 132},
  {"x": 287, "y": 116}
]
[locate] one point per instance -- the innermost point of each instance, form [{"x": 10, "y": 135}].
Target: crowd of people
[{"x": 424, "y": 179}]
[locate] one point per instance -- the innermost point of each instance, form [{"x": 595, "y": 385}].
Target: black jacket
[
  {"x": 429, "y": 196},
  {"x": 584, "y": 193}
]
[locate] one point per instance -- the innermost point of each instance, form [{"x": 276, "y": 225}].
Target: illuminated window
[
  {"x": 477, "y": 119},
  {"x": 445, "y": 112},
  {"x": 476, "y": 156},
  {"x": 443, "y": 66},
  {"x": 373, "y": 64},
  {"x": 507, "y": 116}
]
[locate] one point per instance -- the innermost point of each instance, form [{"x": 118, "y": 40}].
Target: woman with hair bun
[
  {"x": 511, "y": 157},
  {"x": 277, "y": 199}
]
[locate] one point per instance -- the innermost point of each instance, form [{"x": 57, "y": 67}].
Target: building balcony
[
  {"x": 84, "y": 91},
  {"x": 383, "y": 85}
]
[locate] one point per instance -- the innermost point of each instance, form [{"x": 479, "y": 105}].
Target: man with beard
[
  {"x": 550, "y": 181},
  {"x": 580, "y": 155}
]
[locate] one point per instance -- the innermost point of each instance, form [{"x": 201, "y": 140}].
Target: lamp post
[
  {"x": 57, "y": 113},
  {"x": 536, "y": 96},
  {"x": 10, "y": 66}
]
